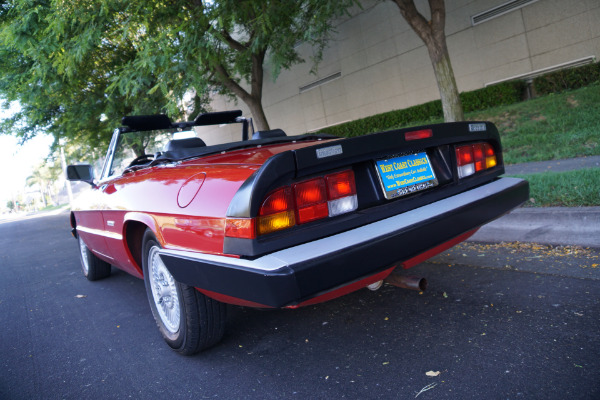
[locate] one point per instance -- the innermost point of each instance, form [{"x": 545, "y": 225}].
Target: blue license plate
[{"x": 407, "y": 174}]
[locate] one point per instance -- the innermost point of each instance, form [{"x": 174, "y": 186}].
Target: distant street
[{"x": 497, "y": 322}]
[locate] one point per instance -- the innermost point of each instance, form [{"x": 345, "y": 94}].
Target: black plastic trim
[
  {"x": 311, "y": 276},
  {"x": 358, "y": 153}
]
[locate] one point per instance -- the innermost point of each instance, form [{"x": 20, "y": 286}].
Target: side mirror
[{"x": 82, "y": 172}]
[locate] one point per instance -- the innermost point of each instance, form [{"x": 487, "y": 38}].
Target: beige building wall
[{"x": 376, "y": 63}]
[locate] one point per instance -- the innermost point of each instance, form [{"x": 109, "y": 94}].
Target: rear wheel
[
  {"x": 187, "y": 319},
  {"x": 93, "y": 268}
]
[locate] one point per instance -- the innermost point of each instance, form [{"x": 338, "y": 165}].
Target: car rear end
[{"x": 316, "y": 222}]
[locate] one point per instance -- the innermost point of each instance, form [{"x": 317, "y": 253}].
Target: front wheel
[
  {"x": 93, "y": 268},
  {"x": 187, "y": 319}
]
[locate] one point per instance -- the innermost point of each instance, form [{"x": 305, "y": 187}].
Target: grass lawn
[
  {"x": 552, "y": 127},
  {"x": 568, "y": 189}
]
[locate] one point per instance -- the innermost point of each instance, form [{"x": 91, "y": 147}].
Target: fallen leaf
[
  {"x": 81, "y": 296},
  {"x": 432, "y": 373}
]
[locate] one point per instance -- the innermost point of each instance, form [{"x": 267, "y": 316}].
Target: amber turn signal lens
[{"x": 275, "y": 222}]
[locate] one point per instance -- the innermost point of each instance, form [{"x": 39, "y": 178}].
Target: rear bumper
[{"x": 296, "y": 274}]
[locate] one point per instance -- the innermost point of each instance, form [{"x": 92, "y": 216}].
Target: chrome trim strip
[
  {"x": 338, "y": 243},
  {"x": 110, "y": 235}
]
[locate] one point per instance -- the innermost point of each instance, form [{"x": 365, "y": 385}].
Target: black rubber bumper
[{"x": 298, "y": 273}]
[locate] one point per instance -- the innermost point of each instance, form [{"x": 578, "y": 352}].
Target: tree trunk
[
  {"x": 433, "y": 35},
  {"x": 260, "y": 120},
  {"x": 444, "y": 76},
  {"x": 253, "y": 99}
]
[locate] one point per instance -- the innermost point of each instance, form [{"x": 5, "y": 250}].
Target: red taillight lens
[
  {"x": 278, "y": 201},
  {"x": 474, "y": 158},
  {"x": 311, "y": 200},
  {"x": 341, "y": 185},
  {"x": 310, "y": 192},
  {"x": 464, "y": 155},
  {"x": 478, "y": 157}
]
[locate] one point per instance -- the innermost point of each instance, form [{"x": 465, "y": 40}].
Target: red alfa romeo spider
[{"x": 275, "y": 220}]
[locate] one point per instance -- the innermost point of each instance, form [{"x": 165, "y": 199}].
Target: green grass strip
[{"x": 580, "y": 188}]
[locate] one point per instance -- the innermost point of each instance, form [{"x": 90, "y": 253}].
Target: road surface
[{"x": 497, "y": 322}]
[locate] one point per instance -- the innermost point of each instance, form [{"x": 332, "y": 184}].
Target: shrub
[
  {"x": 567, "y": 79},
  {"x": 497, "y": 95},
  {"x": 387, "y": 120},
  {"x": 501, "y": 94}
]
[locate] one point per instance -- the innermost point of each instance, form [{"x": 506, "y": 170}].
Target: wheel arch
[
  {"x": 73, "y": 225},
  {"x": 135, "y": 226}
]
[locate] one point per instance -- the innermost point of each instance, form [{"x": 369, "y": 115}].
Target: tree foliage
[
  {"x": 60, "y": 72},
  {"x": 76, "y": 67}
]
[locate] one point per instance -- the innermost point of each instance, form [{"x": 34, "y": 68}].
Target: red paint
[
  {"x": 184, "y": 204},
  {"x": 231, "y": 300}
]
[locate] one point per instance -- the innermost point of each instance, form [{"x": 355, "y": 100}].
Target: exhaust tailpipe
[{"x": 407, "y": 282}]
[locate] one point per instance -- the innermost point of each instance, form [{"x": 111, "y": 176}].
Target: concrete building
[{"x": 376, "y": 63}]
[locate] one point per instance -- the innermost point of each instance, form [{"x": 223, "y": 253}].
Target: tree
[
  {"x": 433, "y": 34},
  {"x": 222, "y": 46},
  {"x": 76, "y": 67},
  {"x": 44, "y": 176},
  {"x": 62, "y": 78}
]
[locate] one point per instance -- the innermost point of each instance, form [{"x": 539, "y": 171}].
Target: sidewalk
[
  {"x": 553, "y": 166},
  {"x": 578, "y": 226}
]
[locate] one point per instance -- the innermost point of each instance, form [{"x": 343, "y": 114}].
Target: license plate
[{"x": 407, "y": 174}]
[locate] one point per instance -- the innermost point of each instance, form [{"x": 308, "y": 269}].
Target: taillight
[
  {"x": 490, "y": 156},
  {"x": 276, "y": 212},
  {"x": 302, "y": 202},
  {"x": 242, "y": 228},
  {"x": 311, "y": 200},
  {"x": 341, "y": 193},
  {"x": 474, "y": 158}
]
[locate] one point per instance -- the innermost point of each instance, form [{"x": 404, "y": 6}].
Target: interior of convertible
[{"x": 148, "y": 140}]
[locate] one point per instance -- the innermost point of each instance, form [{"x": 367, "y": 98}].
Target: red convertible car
[{"x": 275, "y": 220}]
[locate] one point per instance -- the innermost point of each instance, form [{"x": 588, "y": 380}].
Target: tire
[
  {"x": 188, "y": 320},
  {"x": 93, "y": 268}
]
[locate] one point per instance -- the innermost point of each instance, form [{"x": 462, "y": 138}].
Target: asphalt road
[{"x": 498, "y": 322}]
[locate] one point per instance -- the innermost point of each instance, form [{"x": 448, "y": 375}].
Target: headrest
[
  {"x": 268, "y": 134},
  {"x": 177, "y": 144}
]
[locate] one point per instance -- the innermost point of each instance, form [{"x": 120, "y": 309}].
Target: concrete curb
[{"x": 578, "y": 226}]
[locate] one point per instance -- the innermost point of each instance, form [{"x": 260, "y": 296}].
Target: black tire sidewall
[
  {"x": 97, "y": 268},
  {"x": 88, "y": 252}
]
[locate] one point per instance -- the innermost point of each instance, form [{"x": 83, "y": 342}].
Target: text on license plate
[{"x": 405, "y": 174}]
